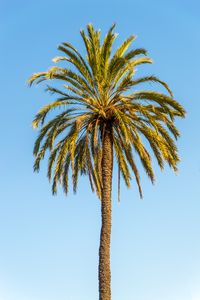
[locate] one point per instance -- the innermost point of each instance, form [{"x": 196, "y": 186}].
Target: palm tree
[{"x": 103, "y": 114}]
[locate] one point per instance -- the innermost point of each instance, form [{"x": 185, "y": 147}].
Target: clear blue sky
[{"x": 49, "y": 245}]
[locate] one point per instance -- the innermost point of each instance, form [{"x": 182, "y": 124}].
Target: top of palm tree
[{"x": 99, "y": 90}]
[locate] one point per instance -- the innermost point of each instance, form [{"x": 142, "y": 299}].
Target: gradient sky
[{"x": 49, "y": 245}]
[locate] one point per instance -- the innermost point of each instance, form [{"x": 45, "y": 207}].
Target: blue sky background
[{"x": 49, "y": 245}]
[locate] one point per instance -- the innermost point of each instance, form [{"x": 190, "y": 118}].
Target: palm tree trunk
[{"x": 106, "y": 212}]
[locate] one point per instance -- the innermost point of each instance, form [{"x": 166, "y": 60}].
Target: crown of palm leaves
[{"x": 97, "y": 91}]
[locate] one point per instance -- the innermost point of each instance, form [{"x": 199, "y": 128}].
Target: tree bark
[{"x": 106, "y": 214}]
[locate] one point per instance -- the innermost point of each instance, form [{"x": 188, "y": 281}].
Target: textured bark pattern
[{"x": 106, "y": 212}]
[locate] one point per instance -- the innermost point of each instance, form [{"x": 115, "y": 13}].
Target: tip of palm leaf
[
  {"x": 55, "y": 59},
  {"x": 90, "y": 26},
  {"x": 30, "y": 81},
  {"x": 176, "y": 171},
  {"x": 54, "y": 190},
  {"x": 113, "y": 26},
  {"x": 184, "y": 113},
  {"x": 36, "y": 168},
  {"x": 34, "y": 124}
]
